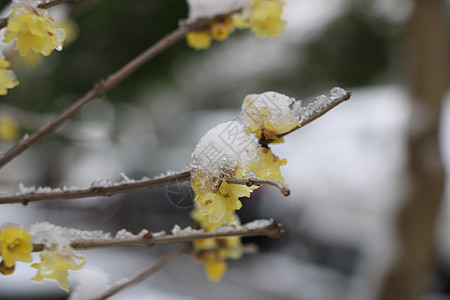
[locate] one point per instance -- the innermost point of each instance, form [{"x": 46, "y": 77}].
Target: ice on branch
[
  {"x": 271, "y": 114},
  {"x": 177, "y": 230},
  {"x": 54, "y": 236},
  {"x": 208, "y": 9}
]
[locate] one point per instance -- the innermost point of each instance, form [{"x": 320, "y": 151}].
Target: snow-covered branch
[
  {"x": 97, "y": 188},
  {"x": 267, "y": 227},
  {"x": 314, "y": 110},
  {"x": 106, "y": 188}
]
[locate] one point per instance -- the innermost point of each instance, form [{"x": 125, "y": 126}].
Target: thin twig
[
  {"x": 101, "y": 87},
  {"x": 145, "y": 273},
  {"x": 273, "y": 230},
  {"x": 264, "y": 142},
  {"x": 96, "y": 92},
  {"x": 249, "y": 182},
  {"x": 95, "y": 191},
  {"x": 123, "y": 187},
  {"x": 52, "y": 3}
]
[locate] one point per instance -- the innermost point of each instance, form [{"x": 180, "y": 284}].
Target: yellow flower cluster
[
  {"x": 265, "y": 18},
  {"x": 262, "y": 17},
  {"x": 267, "y": 118},
  {"x": 15, "y": 246},
  {"x": 55, "y": 266},
  {"x": 218, "y": 200},
  {"x": 218, "y": 31},
  {"x": 32, "y": 29},
  {"x": 214, "y": 251}
]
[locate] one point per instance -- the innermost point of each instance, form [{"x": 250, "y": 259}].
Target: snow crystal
[
  {"x": 338, "y": 92},
  {"x": 224, "y": 147},
  {"x": 176, "y": 230},
  {"x": 125, "y": 234},
  {"x": 279, "y": 109},
  {"x": 92, "y": 283},
  {"x": 319, "y": 104},
  {"x": 208, "y": 8},
  {"x": 159, "y": 233},
  {"x": 258, "y": 224},
  {"x": 101, "y": 183},
  {"x": 227, "y": 228},
  {"x": 60, "y": 237}
]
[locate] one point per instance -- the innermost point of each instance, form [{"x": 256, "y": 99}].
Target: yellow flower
[
  {"x": 265, "y": 18},
  {"x": 32, "y": 29},
  {"x": 198, "y": 40},
  {"x": 213, "y": 252},
  {"x": 221, "y": 30},
  {"x": 268, "y": 166},
  {"x": 7, "y": 77},
  {"x": 15, "y": 245},
  {"x": 55, "y": 266},
  {"x": 268, "y": 118},
  {"x": 214, "y": 266},
  {"x": 9, "y": 129},
  {"x": 219, "y": 203}
]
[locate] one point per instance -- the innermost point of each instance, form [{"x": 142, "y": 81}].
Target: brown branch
[
  {"x": 52, "y": 3},
  {"x": 249, "y": 182},
  {"x": 101, "y": 87},
  {"x": 95, "y": 191},
  {"x": 96, "y": 92},
  {"x": 123, "y": 187},
  {"x": 145, "y": 273},
  {"x": 273, "y": 230}
]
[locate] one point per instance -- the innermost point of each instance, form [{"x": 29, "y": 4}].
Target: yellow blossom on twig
[
  {"x": 198, "y": 40},
  {"x": 55, "y": 266},
  {"x": 262, "y": 17},
  {"x": 15, "y": 245},
  {"x": 32, "y": 29},
  {"x": 7, "y": 77},
  {"x": 265, "y": 18}
]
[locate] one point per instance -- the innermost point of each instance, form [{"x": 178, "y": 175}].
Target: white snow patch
[
  {"x": 223, "y": 148},
  {"x": 258, "y": 224},
  {"x": 208, "y": 8},
  {"x": 92, "y": 283}
]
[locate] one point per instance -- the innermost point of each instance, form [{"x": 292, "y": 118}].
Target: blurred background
[{"x": 348, "y": 171}]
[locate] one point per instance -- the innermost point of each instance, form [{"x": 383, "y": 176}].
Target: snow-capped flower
[
  {"x": 32, "y": 29},
  {"x": 55, "y": 266},
  {"x": 15, "y": 245},
  {"x": 8, "y": 79},
  {"x": 230, "y": 150}
]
